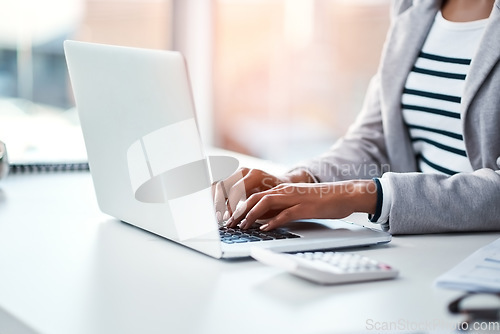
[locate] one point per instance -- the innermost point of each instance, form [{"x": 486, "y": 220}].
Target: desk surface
[{"x": 67, "y": 268}]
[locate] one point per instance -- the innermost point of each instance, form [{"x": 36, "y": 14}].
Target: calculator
[{"x": 327, "y": 267}]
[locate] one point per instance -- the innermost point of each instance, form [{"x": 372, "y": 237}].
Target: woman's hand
[
  {"x": 287, "y": 202},
  {"x": 245, "y": 182}
]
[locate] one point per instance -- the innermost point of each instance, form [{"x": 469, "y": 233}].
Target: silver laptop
[{"x": 147, "y": 160}]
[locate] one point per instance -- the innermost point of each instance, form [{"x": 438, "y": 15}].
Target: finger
[
  {"x": 253, "y": 182},
  {"x": 216, "y": 201},
  {"x": 219, "y": 202},
  {"x": 249, "y": 183},
  {"x": 221, "y": 190},
  {"x": 268, "y": 203},
  {"x": 243, "y": 208},
  {"x": 237, "y": 193},
  {"x": 285, "y": 216},
  {"x": 238, "y": 214}
]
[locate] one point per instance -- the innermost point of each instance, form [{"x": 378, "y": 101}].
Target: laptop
[{"x": 148, "y": 164}]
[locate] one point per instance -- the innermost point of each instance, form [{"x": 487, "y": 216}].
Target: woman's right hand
[
  {"x": 238, "y": 187},
  {"x": 245, "y": 182}
]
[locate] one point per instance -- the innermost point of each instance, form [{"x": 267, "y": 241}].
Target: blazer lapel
[
  {"x": 407, "y": 37},
  {"x": 486, "y": 57}
]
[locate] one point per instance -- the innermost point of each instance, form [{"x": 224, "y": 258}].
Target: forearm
[{"x": 362, "y": 194}]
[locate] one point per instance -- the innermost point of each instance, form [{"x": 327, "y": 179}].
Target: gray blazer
[{"x": 378, "y": 142}]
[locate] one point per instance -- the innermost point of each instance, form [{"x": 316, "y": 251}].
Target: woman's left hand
[{"x": 292, "y": 201}]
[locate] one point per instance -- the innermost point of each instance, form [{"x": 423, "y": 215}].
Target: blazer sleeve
[{"x": 432, "y": 203}]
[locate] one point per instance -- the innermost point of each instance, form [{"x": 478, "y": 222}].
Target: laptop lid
[{"x": 144, "y": 149}]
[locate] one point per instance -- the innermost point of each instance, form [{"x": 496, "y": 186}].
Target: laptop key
[{"x": 231, "y": 235}]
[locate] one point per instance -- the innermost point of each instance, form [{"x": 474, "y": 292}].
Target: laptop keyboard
[{"x": 235, "y": 235}]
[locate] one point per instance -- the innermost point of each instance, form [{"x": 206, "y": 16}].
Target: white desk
[{"x": 67, "y": 268}]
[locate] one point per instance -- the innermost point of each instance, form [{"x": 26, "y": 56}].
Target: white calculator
[{"x": 327, "y": 267}]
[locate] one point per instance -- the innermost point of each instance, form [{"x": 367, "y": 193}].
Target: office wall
[{"x": 290, "y": 76}]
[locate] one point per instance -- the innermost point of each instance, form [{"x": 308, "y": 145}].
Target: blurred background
[{"x": 276, "y": 79}]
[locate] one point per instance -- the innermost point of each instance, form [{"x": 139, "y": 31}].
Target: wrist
[
  {"x": 299, "y": 176},
  {"x": 364, "y": 196}
]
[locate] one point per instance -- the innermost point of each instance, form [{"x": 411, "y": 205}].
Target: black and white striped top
[{"x": 433, "y": 92}]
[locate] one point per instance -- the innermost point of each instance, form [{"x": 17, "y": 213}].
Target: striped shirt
[{"x": 432, "y": 95}]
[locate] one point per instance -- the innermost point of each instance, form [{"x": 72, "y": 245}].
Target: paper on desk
[{"x": 479, "y": 272}]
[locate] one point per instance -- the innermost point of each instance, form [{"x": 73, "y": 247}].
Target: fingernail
[
  {"x": 263, "y": 227},
  {"x": 243, "y": 224},
  {"x": 226, "y": 215},
  {"x": 229, "y": 221},
  {"x": 240, "y": 208},
  {"x": 218, "y": 216}
]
